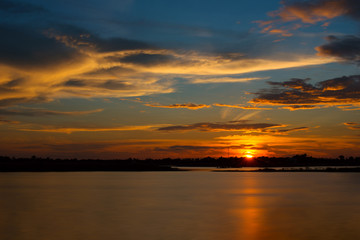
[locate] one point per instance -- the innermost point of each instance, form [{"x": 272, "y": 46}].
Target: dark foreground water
[{"x": 179, "y": 205}]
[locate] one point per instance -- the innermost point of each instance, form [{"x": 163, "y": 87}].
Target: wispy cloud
[
  {"x": 240, "y": 125},
  {"x": 239, "y": 106},
  {"x": 5, "y": 121},
  {"x": 35, "y": 112},
  {"x": 204, "y": 80},
  {"x": 191, "y": 106},
  {"x": 66, "y": 61}
]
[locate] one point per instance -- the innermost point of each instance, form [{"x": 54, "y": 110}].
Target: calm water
[{"x": 179, "y": 205}]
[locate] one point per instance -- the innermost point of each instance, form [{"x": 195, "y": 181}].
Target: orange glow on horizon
[{"x": 248, "y": 156}]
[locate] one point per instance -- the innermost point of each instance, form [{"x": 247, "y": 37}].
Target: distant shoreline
[{"x": 328, "y": 169}]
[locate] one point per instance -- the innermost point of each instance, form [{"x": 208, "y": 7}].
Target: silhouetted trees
[{"x": 167, "y": 164}]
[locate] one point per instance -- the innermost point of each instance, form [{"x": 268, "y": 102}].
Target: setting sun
[{"x": 249, "y": 156}]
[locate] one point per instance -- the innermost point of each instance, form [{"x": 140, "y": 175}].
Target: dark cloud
[
  {"x": 95, "y": 83},
  {"x": 110, "y": 72},
  {"x": 299, "y": 107},
  {"x": 346, "y": 48},
  {"x": 282, "y": 131},
  {"x": 295, "y": 83},
  {"x": 191, "y": 106},
  {"x": 12, "y": 85},
  {"x": 296, "y": 93},
  {"x": 116, "y": 85},
  {"x": 148, "y": 59},
  {"x": 182, "y": 148},
  {"x": 26, "y": 47},
  {"x": 228, "y": 126},
  {"x": 75, "y": 83},
  {"x": 118, "y": 44},
  {"x": 81, "y": 38},
  {"x": 239, "y": 106},
  {"x": 21, "y": 100},
  {"x": 20, "y": 7}
]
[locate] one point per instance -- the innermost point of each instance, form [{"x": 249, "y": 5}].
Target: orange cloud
[
  {"x": 352, "y": 125},
  {"x": 307, "y": 12},
  {"x": 69, "y": 130},
  {"x": 311, "y": 12},
  {"x": 282, "y": 32}
]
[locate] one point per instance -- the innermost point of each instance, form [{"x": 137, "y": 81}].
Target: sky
[{"x": 144, "y": 79}]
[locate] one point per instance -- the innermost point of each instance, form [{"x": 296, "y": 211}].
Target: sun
[{"x": 248, "y": 156}]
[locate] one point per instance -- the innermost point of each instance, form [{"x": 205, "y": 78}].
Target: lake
[{"x": 198, "y": 205}]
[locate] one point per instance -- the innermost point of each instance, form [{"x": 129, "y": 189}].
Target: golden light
[{"x": 248, "y": 156}]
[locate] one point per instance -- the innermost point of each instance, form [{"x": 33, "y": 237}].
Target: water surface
[{"x": 179, "y": 205}]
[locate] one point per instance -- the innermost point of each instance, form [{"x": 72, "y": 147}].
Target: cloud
[
  {"x": 26, "y": 47},
  {"x": 5, "y": 121},
  {"x": 148, "y": 59},
  {"x": 77, "y": 37},
  {"x": 224, "y": 80},
  {"x": 191, "y": 148},
  {"x": 5, "y": 102},
  {"x": 298, "y": 94},
  {"x": 302, "y": 107},
  {"x": 284, "y": 131},
  {"x": 313, "y": 11},
  {"x": 352, "y": 125},
  {"x": 353, "y": 107},
  {"x": 191, "y": 106},
  {"x": 307, "y": 12},
  {"x": 346, "y": 48},
  {"x": 218, "y": 127},
  {"x": 239, "y": 106},
  {"x": 40, "y": 63},
  {"x": 34, "y": 112},
  {"x": 199, "y": 64},
  {"x": 96, "y": 83}
]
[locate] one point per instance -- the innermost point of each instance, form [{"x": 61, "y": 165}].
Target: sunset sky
[{"x": 153, "y": 79}]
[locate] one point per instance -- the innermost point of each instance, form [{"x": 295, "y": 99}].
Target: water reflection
[
  {"x": 288, "y": 206},
  {"x": 248, "y": 211}
]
